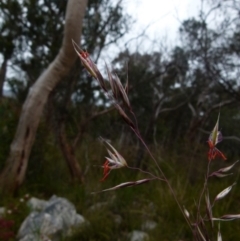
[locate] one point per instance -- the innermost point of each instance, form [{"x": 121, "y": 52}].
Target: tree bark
[
  {"x": 69, "y": 155},
  {"x": 3, "y": 72},
  {"x": 68, "y": 148},
  {"x": 16, "y": 165}
]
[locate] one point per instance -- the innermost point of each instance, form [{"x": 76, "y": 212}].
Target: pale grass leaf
[
  {"x": 219, "y": 236},
  {"x": 225, "y": 192},
  {"x": 202, "y": 236},
  {"x": 215, "y": 136},
  {"x": 87, "y": 64},
  {"x": 226, "y": 169},
  {"x": 123, "y": 92},
  {"x": 220, "y": 175},
  {"x": 186, "y": 212},
  {"x": 209, "y": 208},
  {"x": 228, "y": 217},
  {"x": 112, "y": 83},
  {"x": 76, "y": 47},
  {"x": 124, "y": 116},
  {"x": 115, "y": 157},
  {"x": 126, "y": 184},
  {"x": 98, "y": 75}
]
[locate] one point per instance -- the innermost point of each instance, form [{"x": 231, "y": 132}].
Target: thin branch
[
  {"x": 86, "y": 122},
  {"x": 235, "y": 138},
  {"x": 173, "y": 108}
]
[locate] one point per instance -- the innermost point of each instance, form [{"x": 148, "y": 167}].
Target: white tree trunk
[{"x": 17, "y": 162}]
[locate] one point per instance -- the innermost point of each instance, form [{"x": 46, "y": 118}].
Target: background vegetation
[{"x": 176, "y": 96}]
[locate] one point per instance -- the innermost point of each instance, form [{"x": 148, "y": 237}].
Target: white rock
[
  {"x": 56, "y": 219},
  {"x": 138, "y": 236},
  {"x": 149, "y": 225},
  {"x": 35, "y": 237},
  {"x": 36, "y": 204}
]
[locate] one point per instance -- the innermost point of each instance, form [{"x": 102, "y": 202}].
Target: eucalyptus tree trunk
[{"x": 16, "y": 165}]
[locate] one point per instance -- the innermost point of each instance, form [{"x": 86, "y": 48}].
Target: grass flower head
[
  {"x": 114, "y": 161},
  {"x": 214, "y": 138}
]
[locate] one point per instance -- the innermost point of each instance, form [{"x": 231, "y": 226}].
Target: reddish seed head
[
  {"x": 84, "y": 54},
  {"x": 214, "y": 152},
  {"x": 214, "y": 138},
  {"x": 106, "y": 170}
]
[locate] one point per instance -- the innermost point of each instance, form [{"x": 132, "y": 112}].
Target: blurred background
[{"x": 182, "y": 63}]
